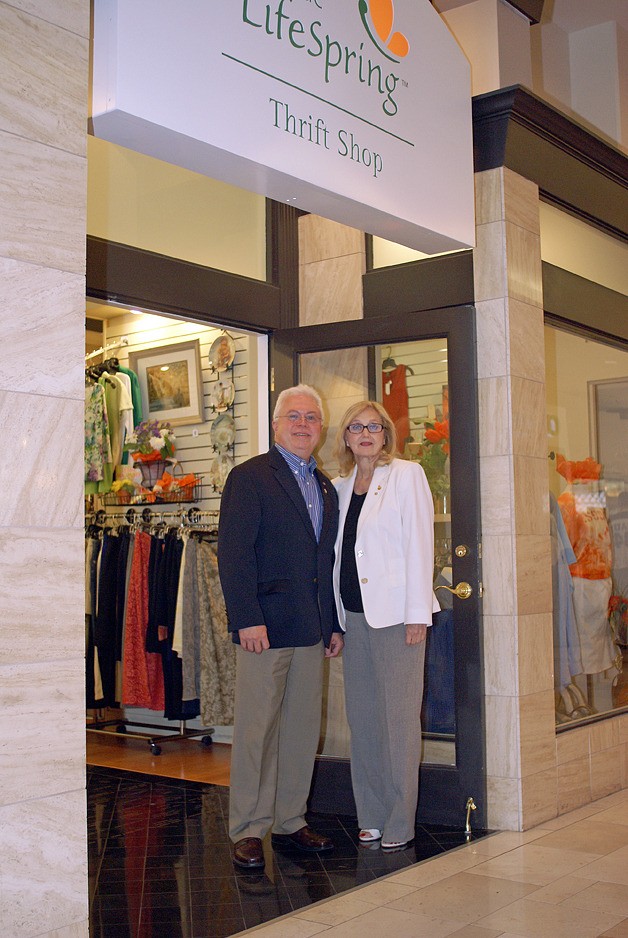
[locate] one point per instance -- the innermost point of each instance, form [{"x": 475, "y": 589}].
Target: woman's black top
[{"x": 349, "y": 583}]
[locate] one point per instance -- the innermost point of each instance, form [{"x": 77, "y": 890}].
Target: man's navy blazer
[{"x": 272, "y": 570}]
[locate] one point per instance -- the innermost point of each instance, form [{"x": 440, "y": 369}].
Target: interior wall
[{"x": 138, "y": 200}]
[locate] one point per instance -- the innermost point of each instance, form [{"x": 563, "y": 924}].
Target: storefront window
[{"x": 587, "y": 425}]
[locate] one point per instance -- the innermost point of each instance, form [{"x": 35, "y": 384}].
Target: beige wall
[{"x": 43, "y": 93}]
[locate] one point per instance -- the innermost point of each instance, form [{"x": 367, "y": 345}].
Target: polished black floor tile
[{"x": 160, "y": 861}]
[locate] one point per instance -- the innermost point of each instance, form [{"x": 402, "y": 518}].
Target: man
[{"x": 278, "y": 524}]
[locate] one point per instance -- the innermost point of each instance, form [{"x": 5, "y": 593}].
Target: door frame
[{"x": 444, "y": 790}]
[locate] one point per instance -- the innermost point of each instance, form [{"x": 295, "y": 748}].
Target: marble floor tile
[
  {"x": 593, "y": 836},
  {"x": 603, "y": 897},
  {"x": 533, "y": 864},
  {"x": 539, "y": 920},
  {"x": 464, "y": 898}
]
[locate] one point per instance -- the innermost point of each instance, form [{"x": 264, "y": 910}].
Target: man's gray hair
[{"x": 297, "y": 389}]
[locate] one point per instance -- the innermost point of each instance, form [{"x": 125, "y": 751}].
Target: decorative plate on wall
[
  {"x": 219, "y": 470},
  {"x": 223, "y": 432},
  {"x": 222, "y": 352},
  {"x": 221, "y": 395}
]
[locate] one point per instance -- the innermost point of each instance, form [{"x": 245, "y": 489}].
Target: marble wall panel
[
  {"x": 574, "y": 785},
  {"x": 492, "y": 338},
  {"x": 604, "y": 735},
  {"x": 533, "y": 574},
  {"x": 41, "y": 618},
  {"x": 500, "y": 655},
  {"x": 42, "y": 190},
  {"x": 526, "y": 340},
  {"x": 529, "y": 417},
  {"x": 537, "y": 733},
  {"x": 76, "y": 930},
  {"x": 521, "y": 202},
  {"x": 622, "y": 723},
  {"x": 43, "y": 858},
  {"x": 572, "y": 745},
  {"x": 494, "y": 417},
  {"x": 321, "y": 239},
  {"x": 73, "y": 15},
  {"x": 539, "y": 797},
  {"x": 536, "y": 654},
  {"x": 489, "y": 196},
  {"x": 525, "y": 279},
  {"x": 45, "y": 302},
  {"x": 41, "y": 88},
  {"x": 502, "y": 729},
  {"x": 331, "y": 290},
  {"x": 489, "y": 262},
  {"x": 531, "y": 495},
  {"x": 504, "y": 803},
  {"x": 496, "y": 487},
  {"x": 42, "y": 464},
  {"x": 36, "y": 700},
  {"x": 498, "y": 576},
  {"x": 606, "y": 772}
]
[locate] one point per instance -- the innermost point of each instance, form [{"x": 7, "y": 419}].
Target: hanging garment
[
  {"x": 567, "y": 657},
  {"x": 136, "y": 394},
  {"x": 596, "y": 641},
  {"x": 589, "y": 534},
  {"x": 97, "y": 441},
  {"x": 217, "y": 651},
  {"x": 142, "y": 673},
  {"x": 395, "y": 401}
]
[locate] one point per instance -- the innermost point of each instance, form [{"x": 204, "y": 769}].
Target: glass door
[{"x": 421, "y": 369}]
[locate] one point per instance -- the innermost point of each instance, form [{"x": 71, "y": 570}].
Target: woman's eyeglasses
[{"x": 371, "y": 427}]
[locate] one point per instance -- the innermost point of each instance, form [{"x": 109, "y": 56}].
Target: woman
[{"x": 383, "y": 589}]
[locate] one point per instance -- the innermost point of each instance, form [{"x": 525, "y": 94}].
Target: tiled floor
[
  {"x": 567, "y": 878},
  {"x": 160, "y": 864}
]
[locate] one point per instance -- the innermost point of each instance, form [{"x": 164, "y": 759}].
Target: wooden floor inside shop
[{"x": 187, "y": 759}]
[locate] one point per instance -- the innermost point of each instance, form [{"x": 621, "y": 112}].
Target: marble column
[
  {"x": 520, "y": 731},
  {"x": 44, "y": 52},
  {"x": 332, "y": 260}
]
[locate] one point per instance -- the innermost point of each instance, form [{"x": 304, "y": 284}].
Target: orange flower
[{"x": 437, "y": 432}]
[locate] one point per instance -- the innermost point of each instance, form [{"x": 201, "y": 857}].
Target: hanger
[{"x": 389, "y": 363}]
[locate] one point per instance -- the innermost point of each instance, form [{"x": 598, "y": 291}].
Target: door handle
[{"x": 462, "y": 590}]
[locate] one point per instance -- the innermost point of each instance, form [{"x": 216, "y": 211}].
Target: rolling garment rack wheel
[
  {"x": 207, "y": 741},
  {"x": 154, "y": 748}
]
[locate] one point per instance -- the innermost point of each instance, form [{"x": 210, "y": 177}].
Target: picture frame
[{"x": 171, "y": 382}]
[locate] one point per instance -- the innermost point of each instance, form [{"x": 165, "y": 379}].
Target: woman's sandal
[
  {"x": 369, "y": 834},
  {"x": 394, "y": 844}
]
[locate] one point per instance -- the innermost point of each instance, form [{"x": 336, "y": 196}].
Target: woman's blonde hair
[{"x": 346, "y": 459}]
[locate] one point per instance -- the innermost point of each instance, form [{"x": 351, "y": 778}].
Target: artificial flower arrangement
[
  {"x": 434, "y": 455},
  {"x": 151, "y": 440}
]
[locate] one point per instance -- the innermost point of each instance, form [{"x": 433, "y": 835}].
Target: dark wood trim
[
  {"x": 573, "y": 167},
  {"x": 569, "y": 299},
  {"x": 129, "y": 276},
  {"x": 282, "y": 240},
  {"x": 420, "y": 285}
]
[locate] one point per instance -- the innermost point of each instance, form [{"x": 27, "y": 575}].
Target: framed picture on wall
[{"x": 171, "y": 381}]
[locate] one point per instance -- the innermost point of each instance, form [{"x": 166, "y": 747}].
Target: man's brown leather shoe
[
  {"x": 248, "y": 853},
  {"x": 304, "y": 839}
]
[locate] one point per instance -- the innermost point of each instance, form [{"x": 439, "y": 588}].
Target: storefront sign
[{"x": 357, "y": 110}]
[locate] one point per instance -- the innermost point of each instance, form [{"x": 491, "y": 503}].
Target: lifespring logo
[
  {"x": 340, "y": 61},
  {"x": 378, "y": 16}
]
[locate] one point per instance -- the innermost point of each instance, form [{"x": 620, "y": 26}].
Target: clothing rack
[
  {"x": 107, "y": 348},
  {"x": 192, "y": 519}
]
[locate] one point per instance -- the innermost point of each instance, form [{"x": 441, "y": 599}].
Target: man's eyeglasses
[
  {"x": 294, "y": 416},
  {"x": 371, "y": 427}
]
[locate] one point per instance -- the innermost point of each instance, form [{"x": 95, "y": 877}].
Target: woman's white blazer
[{"x": 394, "y": 548}]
